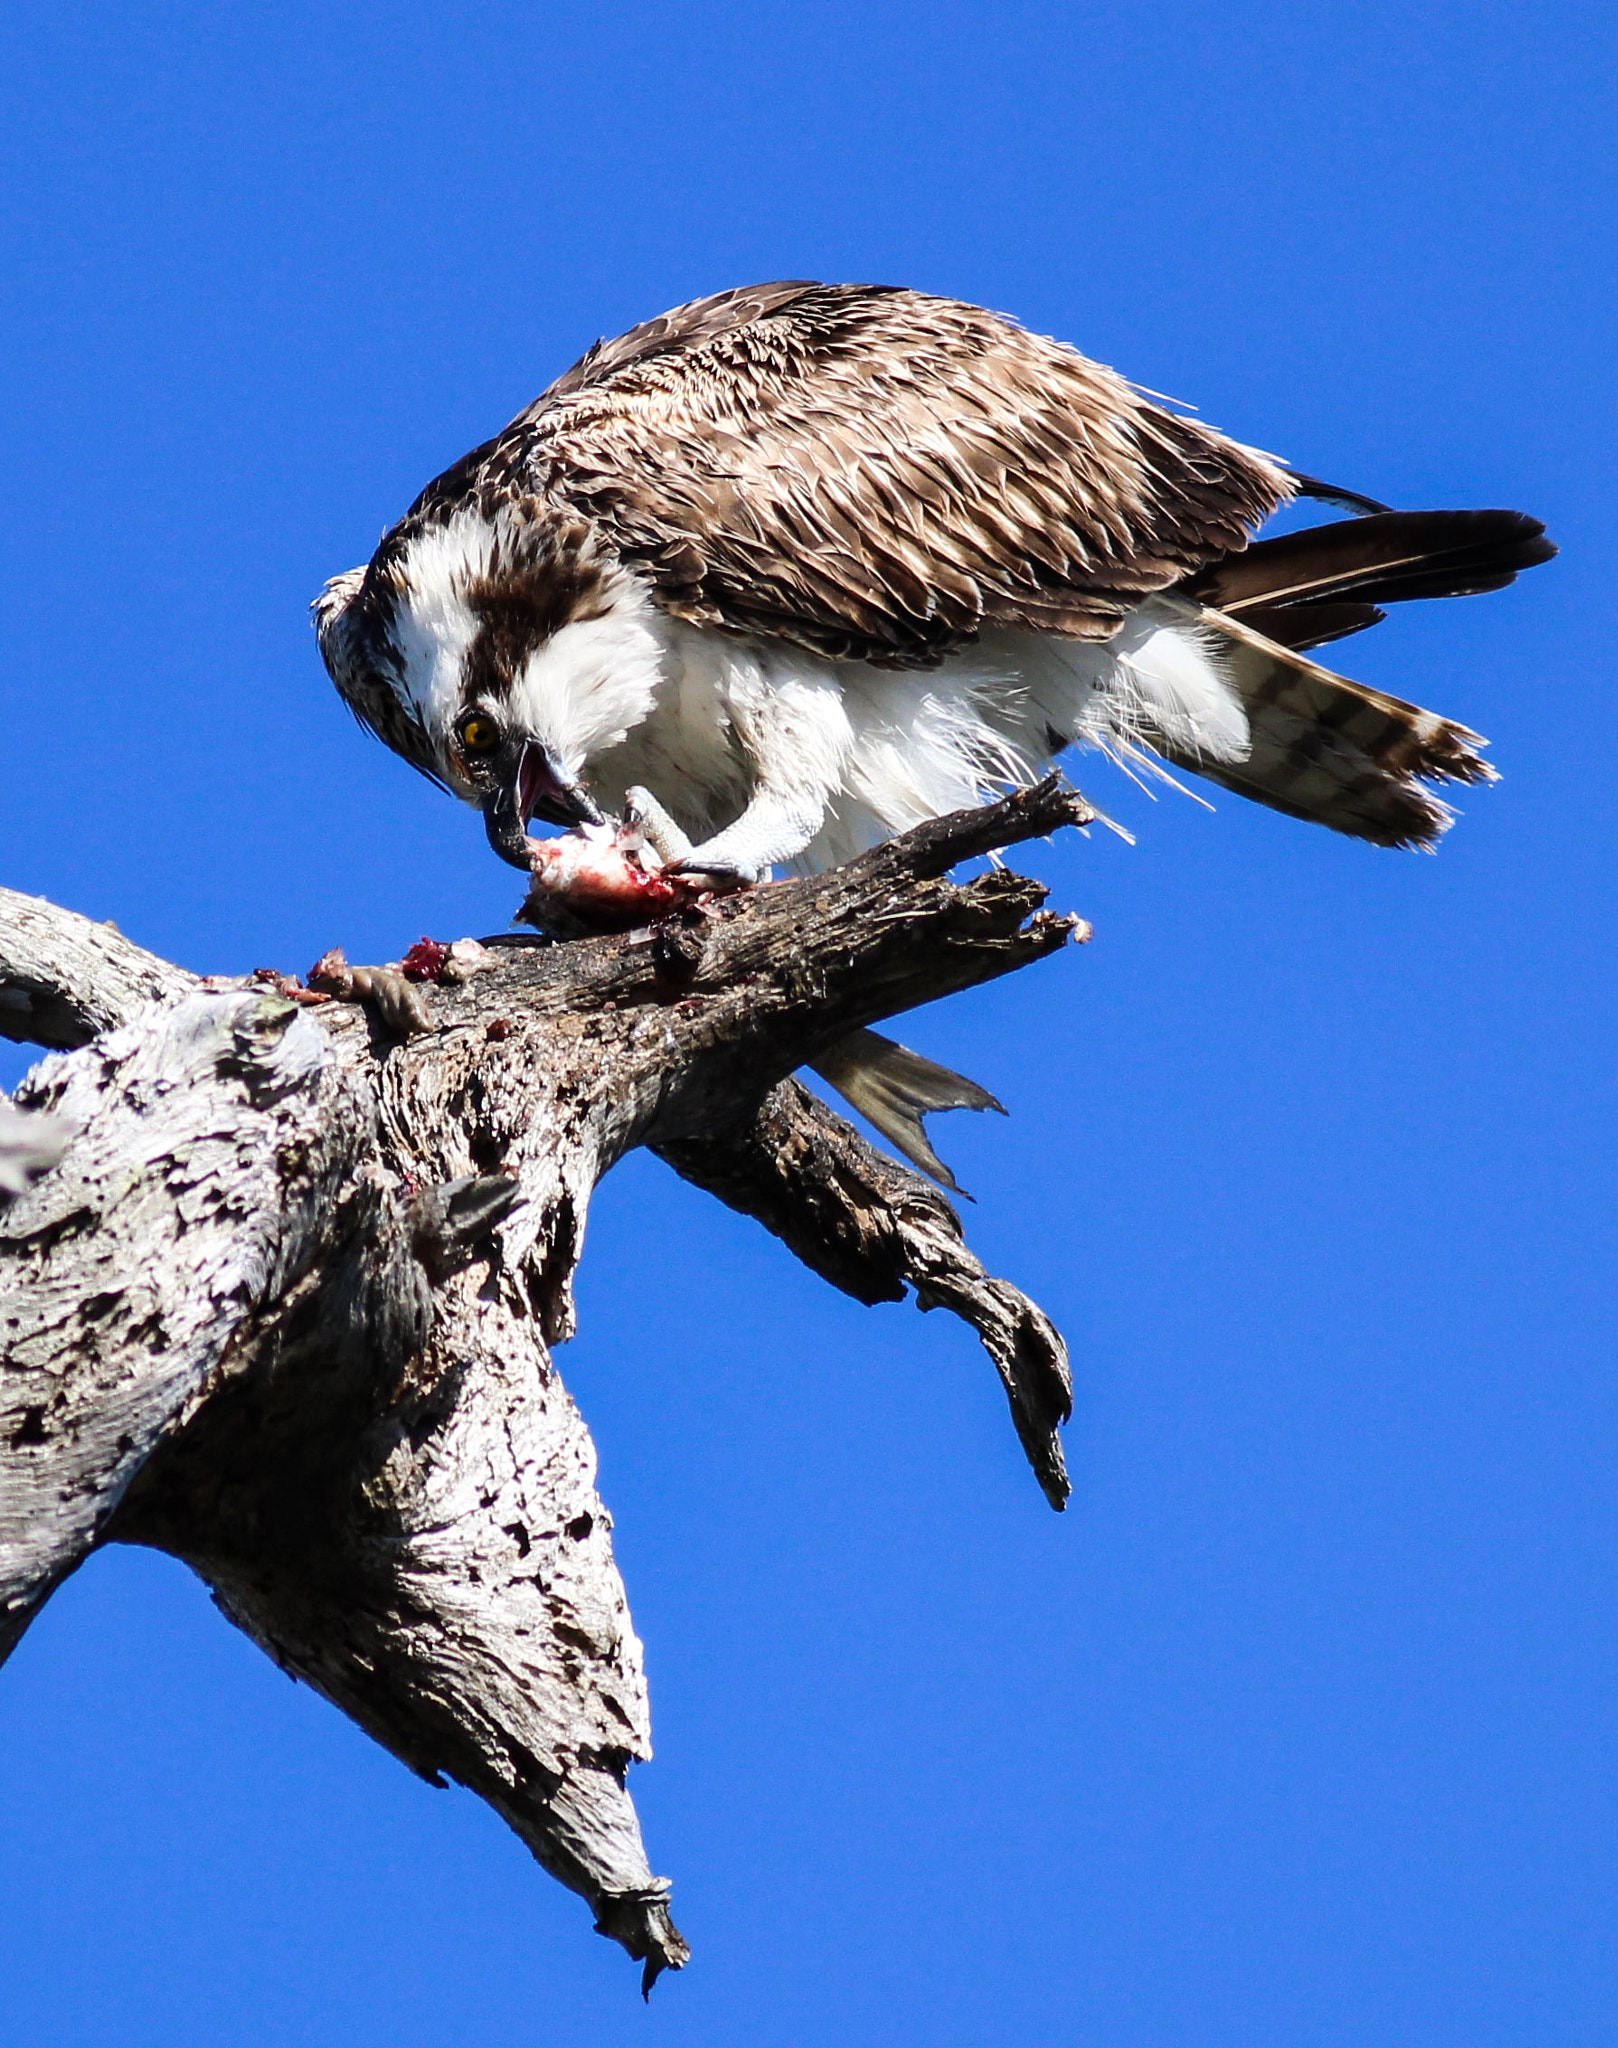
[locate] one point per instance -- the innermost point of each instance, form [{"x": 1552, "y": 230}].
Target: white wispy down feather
[{"x": 773, "y": 755}]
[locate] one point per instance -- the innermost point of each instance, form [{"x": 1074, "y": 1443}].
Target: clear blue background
[{"x": 1298, "y": 1728}]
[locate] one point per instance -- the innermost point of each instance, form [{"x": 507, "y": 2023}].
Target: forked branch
[{"x": 285, "y": 1306}]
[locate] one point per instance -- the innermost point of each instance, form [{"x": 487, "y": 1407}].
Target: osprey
[{"x": 812, "y": 563}]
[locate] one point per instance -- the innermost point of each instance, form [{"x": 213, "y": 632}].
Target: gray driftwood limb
[
  {"x": 65, "y": 979},
  {"x": 284, "y": 1307}
]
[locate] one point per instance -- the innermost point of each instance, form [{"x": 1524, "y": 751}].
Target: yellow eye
[{"x": 479, "y": 735}]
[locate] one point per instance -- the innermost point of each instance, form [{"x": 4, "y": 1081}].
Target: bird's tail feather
[
  {"x": 1303, "y": 589},
  {"x": 1330, "y": 750}
]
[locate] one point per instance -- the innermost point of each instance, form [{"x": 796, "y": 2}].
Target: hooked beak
[{"x": 540, "y": 788}]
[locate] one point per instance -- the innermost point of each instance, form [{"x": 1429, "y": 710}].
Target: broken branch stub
[{"x": 284, "y": 1306}]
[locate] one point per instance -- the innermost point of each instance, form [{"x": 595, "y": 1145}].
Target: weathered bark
[
  {"x": 284, "y": 1307},
  {"x": 64, "y": 980}
]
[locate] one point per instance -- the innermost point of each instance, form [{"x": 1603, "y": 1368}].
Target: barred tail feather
[{"x": 1334, "y": 751}]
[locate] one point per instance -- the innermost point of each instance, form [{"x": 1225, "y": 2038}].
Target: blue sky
[{"x": 1298, "y": 1728}]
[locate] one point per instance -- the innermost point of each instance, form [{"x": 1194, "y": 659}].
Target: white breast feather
[
  {"x": 894, "y": 747},
  {"x": 597, "y": 680}
]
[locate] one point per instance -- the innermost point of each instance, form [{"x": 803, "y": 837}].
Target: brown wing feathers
[{"x": 876, "y": 475}]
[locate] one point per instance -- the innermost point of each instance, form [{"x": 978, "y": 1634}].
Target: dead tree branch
[
  {"x": 284, "y": 1307},
  {"x": 64, "y": 980},
  {"x": 872, "y": 1228}
]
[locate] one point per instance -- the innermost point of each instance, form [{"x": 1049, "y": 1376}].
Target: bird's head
[
  {"x": 498, "y": 671},
  {"x": 513, "y": 776}
]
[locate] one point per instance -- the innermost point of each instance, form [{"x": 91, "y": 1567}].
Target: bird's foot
[
  {"x": 679, "y": 859},
  {"x": 644, "y": 813}
]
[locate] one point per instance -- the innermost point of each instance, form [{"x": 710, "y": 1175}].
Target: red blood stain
[{"x": 424, "y": 961}]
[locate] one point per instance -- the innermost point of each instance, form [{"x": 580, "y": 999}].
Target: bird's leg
[
  {"x": 775, "y": 827},
  {"x": 793, "y": 728}
]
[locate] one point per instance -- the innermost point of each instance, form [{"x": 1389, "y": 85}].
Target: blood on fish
[{"x": 603, "y": 879}]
